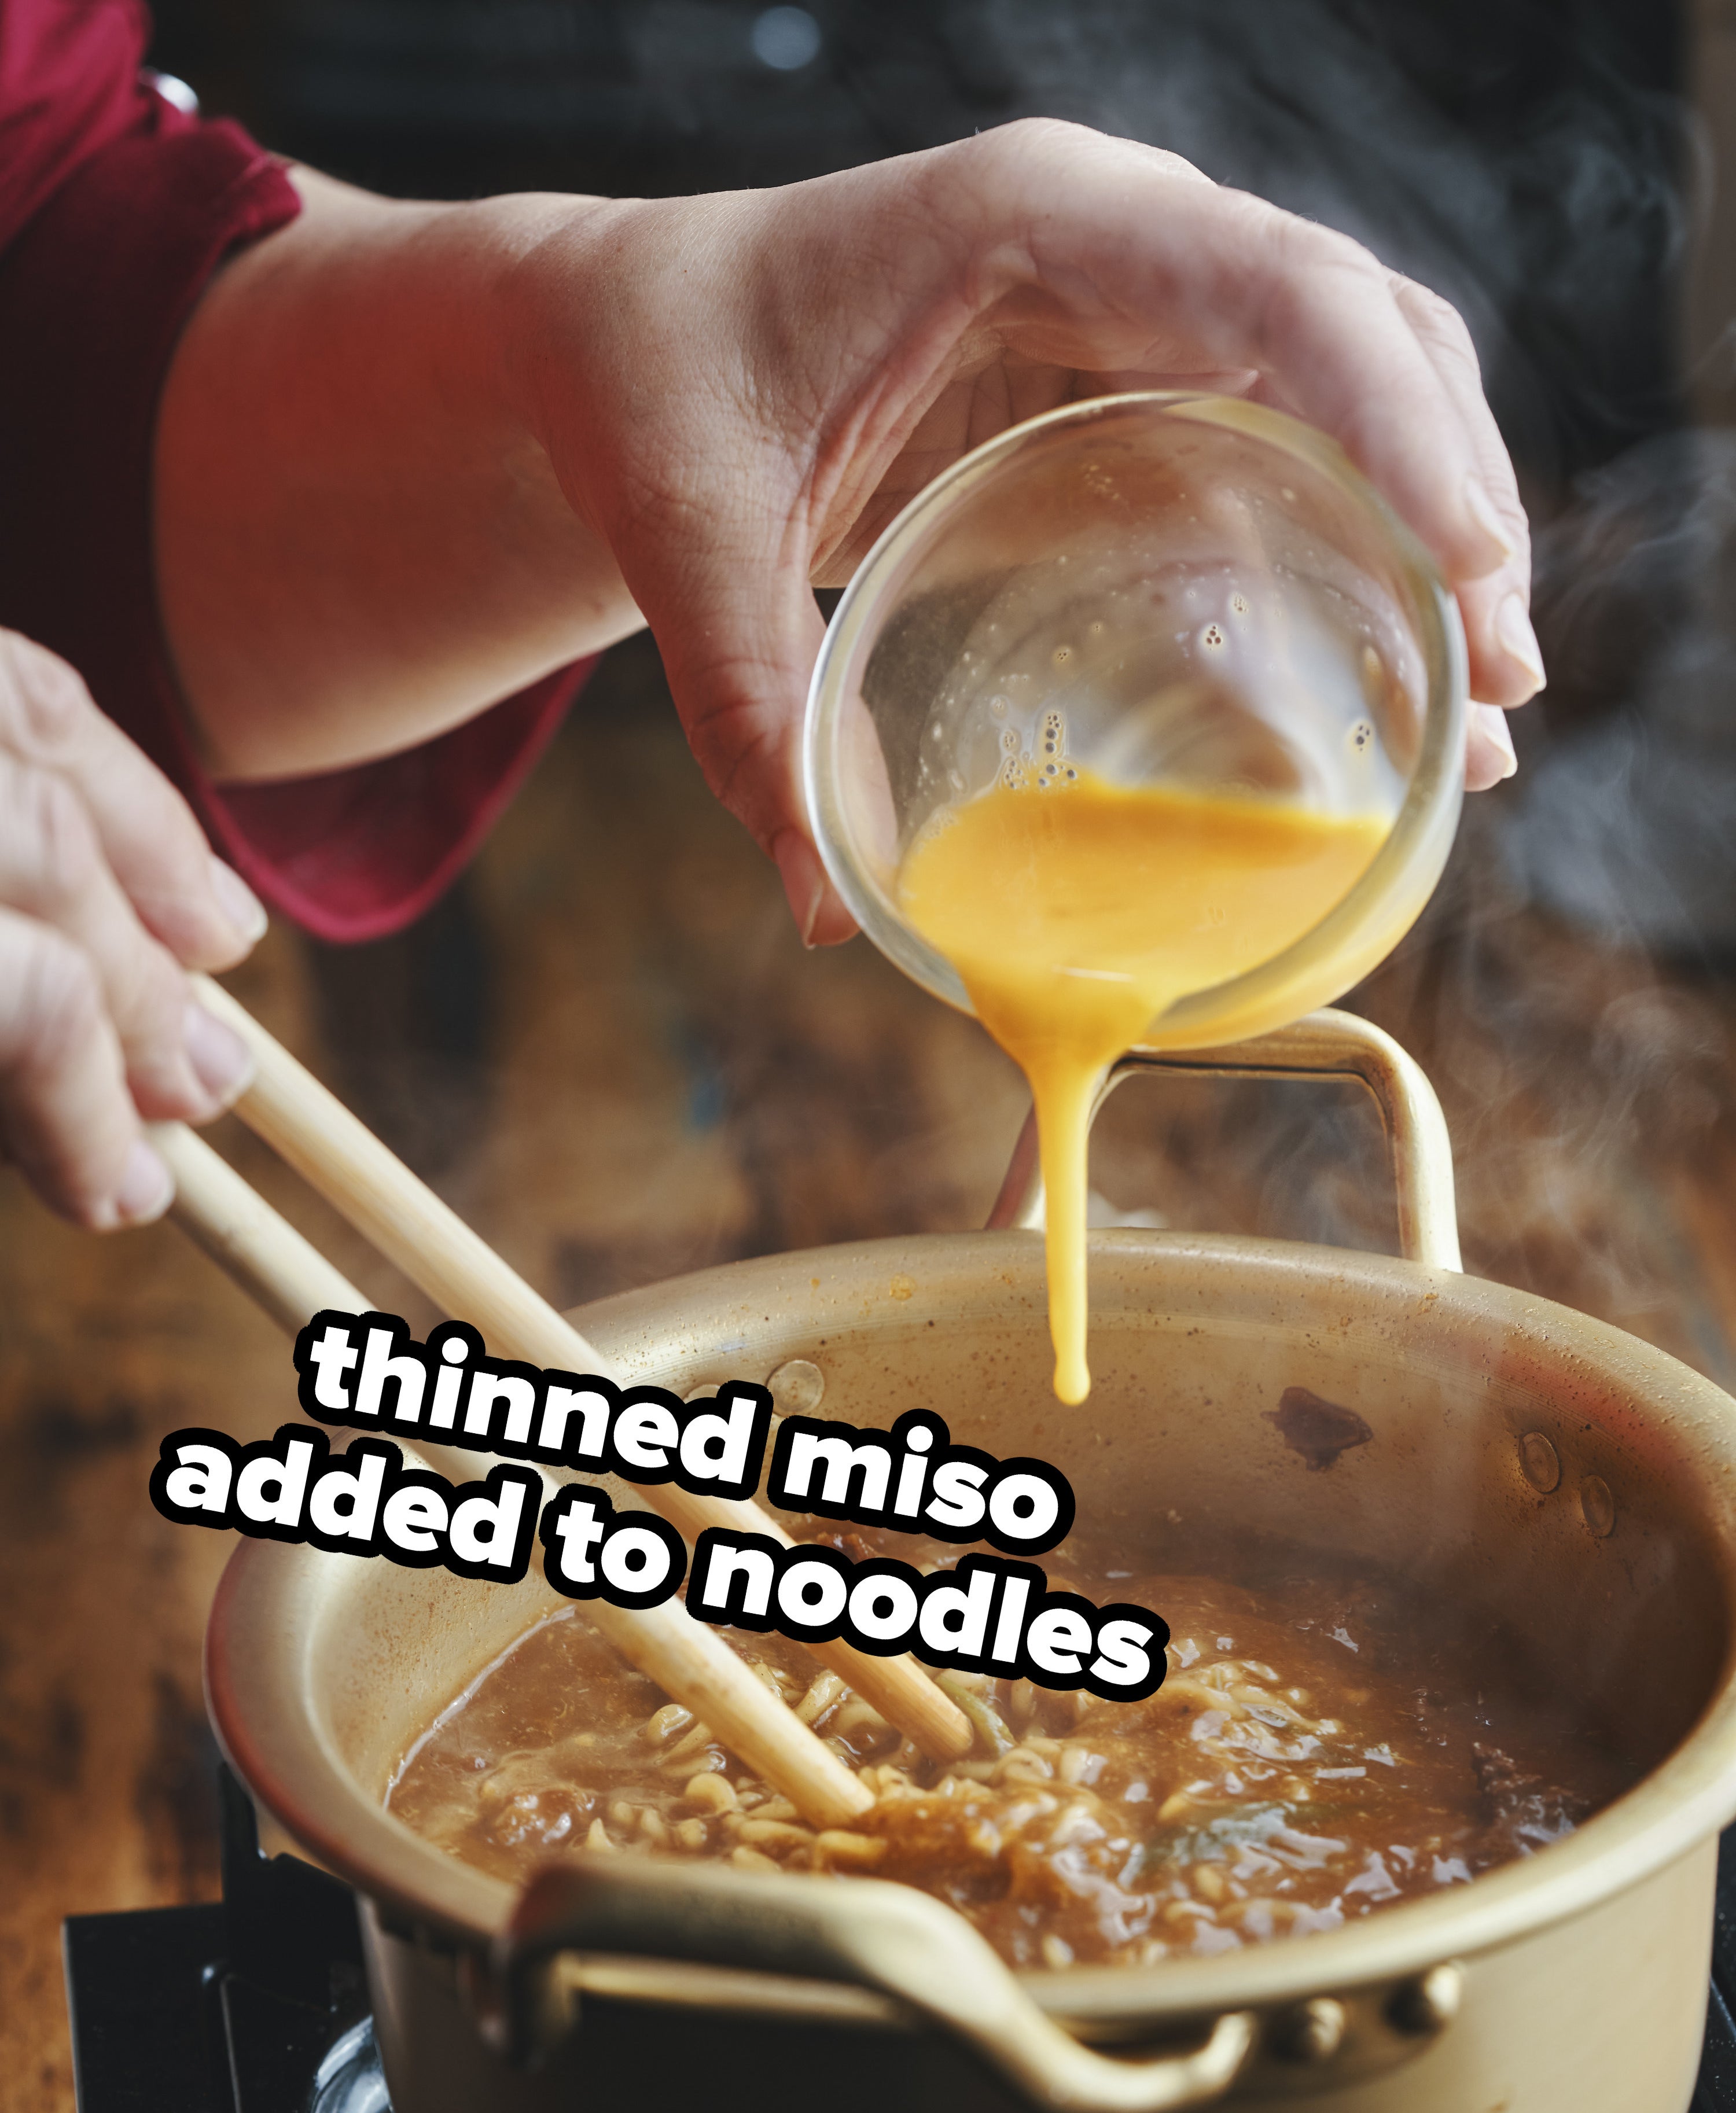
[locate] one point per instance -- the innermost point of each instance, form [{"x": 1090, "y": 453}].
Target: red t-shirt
[{"x": 115, "y": 209}]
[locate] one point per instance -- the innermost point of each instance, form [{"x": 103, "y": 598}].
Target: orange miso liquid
[{"x": 1075, "y": 914}]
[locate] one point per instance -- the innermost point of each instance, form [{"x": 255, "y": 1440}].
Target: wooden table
[{"x": 614, "y": 1056}]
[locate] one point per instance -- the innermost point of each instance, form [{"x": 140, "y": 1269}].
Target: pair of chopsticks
[{"x": 339, "y": 1157}]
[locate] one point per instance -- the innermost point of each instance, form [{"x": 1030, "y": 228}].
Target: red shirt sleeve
[{"x": 115, "y": 210}]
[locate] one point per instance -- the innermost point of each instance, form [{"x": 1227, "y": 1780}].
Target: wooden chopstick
[
  {"x": 306, "y": 1123},
  {"x": 690, "y": 1662}
]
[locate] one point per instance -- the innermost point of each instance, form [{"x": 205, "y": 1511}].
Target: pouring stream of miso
[{"x": 1076, "y": 912}]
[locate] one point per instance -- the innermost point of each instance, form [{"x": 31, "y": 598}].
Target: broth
[{"x": 1317, "y": 1750}]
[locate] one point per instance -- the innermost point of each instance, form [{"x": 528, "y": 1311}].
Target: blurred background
[{"x": 607, "y": 1046}]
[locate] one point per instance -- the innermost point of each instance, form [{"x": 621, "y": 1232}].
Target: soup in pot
[{"x": 1318, "y": 1750}]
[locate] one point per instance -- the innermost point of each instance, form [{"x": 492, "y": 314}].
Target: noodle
[{"x": 1317, "y": 1751}]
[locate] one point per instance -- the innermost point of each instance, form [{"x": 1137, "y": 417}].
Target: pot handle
[
  {"x": 886, "y": 1938},
  {"x": 1327, "y": 1044}
]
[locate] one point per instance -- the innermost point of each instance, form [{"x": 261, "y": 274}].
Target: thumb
[{"x": 739, "y": 651}]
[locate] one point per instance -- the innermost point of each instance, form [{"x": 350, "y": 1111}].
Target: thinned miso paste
[
  {"x": 1317, "y": 1750},
  {"x": 1075, "y": 912}
]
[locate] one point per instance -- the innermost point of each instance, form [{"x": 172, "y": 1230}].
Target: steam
[
  {"x": 1552, "y": 222},
  {"x": 822, "y": 1099},
  {"x": 1584, "y": 1076},
  {"x": 1626, "y": 821}
]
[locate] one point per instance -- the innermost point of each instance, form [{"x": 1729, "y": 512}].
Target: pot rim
[{"x": 260, "y": 1621}]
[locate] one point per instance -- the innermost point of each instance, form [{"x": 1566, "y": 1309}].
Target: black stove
[{"x": 256, "y": 2003}]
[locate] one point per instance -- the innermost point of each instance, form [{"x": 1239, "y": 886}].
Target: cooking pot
[{"x": 1554, "y": 1477}]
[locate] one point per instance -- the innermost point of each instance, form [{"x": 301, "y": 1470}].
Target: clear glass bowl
[{"x": 1166, "y": 588}]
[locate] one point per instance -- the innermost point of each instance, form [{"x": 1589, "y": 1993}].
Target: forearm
[{"x": 358, "y": 542}]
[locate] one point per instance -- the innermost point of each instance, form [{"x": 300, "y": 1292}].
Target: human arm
[{"x": 409, "y": 458}]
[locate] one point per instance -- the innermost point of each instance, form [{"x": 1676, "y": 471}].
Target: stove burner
[
  {"x": 257, "y": 2004},
  {"x": 351, "y": 2080}
]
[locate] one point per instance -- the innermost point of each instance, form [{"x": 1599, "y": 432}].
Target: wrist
[{"x": 544, "y": 296}]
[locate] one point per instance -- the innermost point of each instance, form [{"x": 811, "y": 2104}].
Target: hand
[
  {"x": 737, "y": 393},
  {"x": 106, "y": 892}
]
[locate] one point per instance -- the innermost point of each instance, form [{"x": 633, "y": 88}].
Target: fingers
[
  {"x": 106, "y": 889},
  {"x": 66, "y": 1117},
  {"x": 739, "y": 636},
  {"x": 1489, "y": 755},
  {"x": 1218, "y": 280},
  {"x": 1506, "y": 667},
  {"x": 1121, "y": 263},
  {"x": 817, "y": 907},
  {"x": 199, "y": 908},
  {"x": 738, "y": 641},
  {"x": 178, "y": 1060},
  {"x": 1324, "y": 319}
]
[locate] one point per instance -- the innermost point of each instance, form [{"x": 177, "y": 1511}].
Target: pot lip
[{"x": 285, "y": 1762}]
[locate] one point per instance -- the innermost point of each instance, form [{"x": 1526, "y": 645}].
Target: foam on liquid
[{"x": 1076, "y": 911}]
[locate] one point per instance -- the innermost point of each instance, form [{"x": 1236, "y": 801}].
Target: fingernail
[
  {"x": 1482, "y": 510},
  {"x": 146, "y": 1190},
  {"x": 238, "y": 902},
  {"x": 804, "y": 881},
  {"x": 1513, "y": 628},
  {"x": 218, "y": 1055},
  {"x": 1491, "y": 722}
]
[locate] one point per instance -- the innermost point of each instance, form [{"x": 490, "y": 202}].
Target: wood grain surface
[{"x": 610, "y": 1052}]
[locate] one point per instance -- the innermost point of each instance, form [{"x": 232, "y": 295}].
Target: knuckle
[
  {"x": 1435, "y": 317},
  {"x": 148, "y": 998},
  {"x": 1172, "y": 164},
  {"x": 50, "y": 848},
  {"x": 1022, "y": 133},
  {"x": 741, "y": 748},
  {"x": 1297, "y": 272},
  {"x": 43, "y": 705},
  {"x": 56, "y": 1006},
  {"x": 1006, "y": 153},
  {"x": 1309, "y": 247},
  {"x": 1010, "y": 150}
]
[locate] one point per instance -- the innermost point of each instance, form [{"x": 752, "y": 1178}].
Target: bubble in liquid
[
  {"x": 998, "y": 705},
  {"x": 1095, "y": 627},
  {"x": 1062, "y": 654},
  {"x": 1212, "y": 637},
  {"x": 1239, "y": 603},
  {"x": 1010, "y": 739},
  {"x": 1360, "y": 735}
]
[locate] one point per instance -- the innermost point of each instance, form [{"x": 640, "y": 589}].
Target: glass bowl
[{"x": 1165, "y": 588}]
